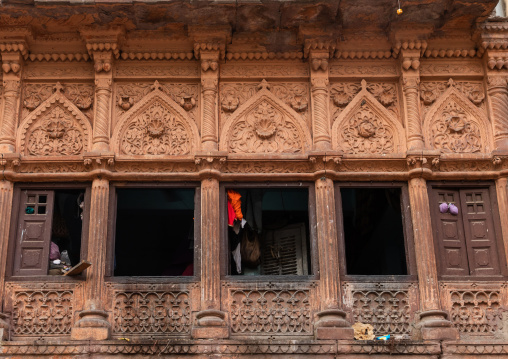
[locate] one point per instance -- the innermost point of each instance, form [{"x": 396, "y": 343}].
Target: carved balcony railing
[
  {"x": 151, "y": 310},
  {"x": 389, "y": 307},
  {"x": 266, "y": 309},
  {"x": 477, "y": 309},
  {"x": 41, "y": 309}
]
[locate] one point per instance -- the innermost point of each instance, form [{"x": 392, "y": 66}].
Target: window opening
[
  {"x": 50, "y": 230},
  {"x": 268, "y": 231},
  {"x": 373, "y": 231},
  {"x": 154, "y": 232}
]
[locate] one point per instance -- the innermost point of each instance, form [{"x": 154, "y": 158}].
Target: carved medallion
[{"x": 156, "y": 132}]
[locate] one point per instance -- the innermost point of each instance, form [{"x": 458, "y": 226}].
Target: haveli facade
[{"x": 100, "y": 98}]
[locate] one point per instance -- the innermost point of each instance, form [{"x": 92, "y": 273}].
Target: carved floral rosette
[
  {"x": 454, "y": 125},
  {"x": 265, "y": 124},
  {"x": 56, "y": 128},
  {"x": 365, "y": 126},
  {"x": 156, "y": 125}
]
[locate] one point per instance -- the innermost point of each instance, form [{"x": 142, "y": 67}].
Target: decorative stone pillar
[
  {"x": 318, "y": 53},
  {"x": 11, "y": 66},
  {"x": 209, "y": 90},
  {"x": 103, "y": 82},
  {"x": 331, "y": 323},
  {"x": 210, "y": 320},
  {"x": 433, "y": 321},
  {"x": 6, "y": 190},
  {"x": 498, "y": 95},
  {"x": 93, "y": 323},
  {"x": 410, "y": 81},
  {"x": 502, "y": 202}
]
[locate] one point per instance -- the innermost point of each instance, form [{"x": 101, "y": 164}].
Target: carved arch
[
  {"x": 55, "y": 128},
  {"x": 454, "y": 125},
  {"x": 265, "y": 124},
  {"x": 156, "y": 125},
  {"x": 367, "y": 127}
]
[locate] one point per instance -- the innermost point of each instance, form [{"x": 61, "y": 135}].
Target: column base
[
  {"x": 332, "y": 324},
  {"x": 4, "y": 326},
  {"x": 93, "y": 325},
  {"x": 211, "y": 324},
  {"x": 436, "y": 326}
]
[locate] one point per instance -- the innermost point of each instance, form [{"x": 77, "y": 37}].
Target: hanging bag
[{"x": 250, "y": 248}]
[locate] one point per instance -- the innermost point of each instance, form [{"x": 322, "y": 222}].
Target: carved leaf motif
[
  {"x": 265, "y": 130},
  {"x": 343, "y": 93},
  {"x": 455, "y": 132},
  {"x": 56, "y": 134},
  {"x": 366, "y": 133},
  {"x": 156, "y": 131}
]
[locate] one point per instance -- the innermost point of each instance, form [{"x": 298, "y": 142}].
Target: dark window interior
[
  {"x": 275, "y": 239},
  {"x": 374, "y": 235},
  {"x": 67, "y": 221},
  {"x": 154, "y": 232}
]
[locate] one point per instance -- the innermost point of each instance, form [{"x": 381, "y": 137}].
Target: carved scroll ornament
[
  {"x": 57, "y": 128},
  {"x": 454, "y": 125},
  {"x": 265, "y": 124},
  {"x": 155, "y": 126}
]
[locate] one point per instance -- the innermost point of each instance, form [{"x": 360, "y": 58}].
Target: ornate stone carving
[
  {"x": 387, "y": 310},
  {"x": 156, "y": 125},
  {"x": 366, "y": 127},
  {"x": 430, "y": 67},
  {"x": 353, "y": 69},
  {"x": 263, "y": 70},
  {"x": 155, "y": 69},
  {"x": 453, "y": 124},
  {"x": 42, "y": 312},
  {"x": 56, "y": 128},
  {"x": 152, "y": 313},
  {"x": 476, "y": 311},
  {"x": 270, "y": 311},
  {"x": 233, "y": 95},
  {"x": 264, "y": 124},
  {"x": 80, "y": 95},
  {"x": 186, "y": 95}
]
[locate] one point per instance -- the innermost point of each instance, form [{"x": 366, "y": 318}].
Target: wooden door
[
  {"x": 33, "y": 235},
  {"x": 479, "y": 231},
  {"x": 449, "y": 234}
]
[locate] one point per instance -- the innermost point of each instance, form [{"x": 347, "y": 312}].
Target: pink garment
[
  {"x": 231, "y": 214},
  {"x": 54, "y": 252}
]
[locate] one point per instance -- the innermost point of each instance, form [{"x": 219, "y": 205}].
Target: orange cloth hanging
[{"x": 234, "y": 199}]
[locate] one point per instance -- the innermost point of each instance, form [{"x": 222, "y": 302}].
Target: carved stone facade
[{"x": 316, "y": 95}]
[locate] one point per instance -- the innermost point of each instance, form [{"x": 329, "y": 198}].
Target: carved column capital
[{"x": 497, "y": 82}]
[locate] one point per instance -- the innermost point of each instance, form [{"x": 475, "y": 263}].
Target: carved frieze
[
  {"x": 450, "y": 68},
  {"x": 270, "y": 311},
  {"x": 153, "y": 313},
  {"x": 358, "y": 68},
  {"x": 59, "y": 71},
  {"x": 263, "y": 70},
  {"x": 233, "y": 95},
  {"x": 42, "y": 312},
  {"x": 81, "y": 95},
  {"x": 155, "y": 69},
  {"x": 156, "y": 125},
  {"x": 56, "y": 128},
  {"x": 453, "y": 124},
  {"x": 366, "y": 127},
  {"x": 265, "y": 124}
]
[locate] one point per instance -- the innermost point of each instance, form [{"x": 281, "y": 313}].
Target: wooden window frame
[
  {"x": 110, "y": 246},
  {"x": 407, "y": 230},
  {"x": 457, "y": 185},
  {"x": 47, "y": 186},
  {"x": 225, "y": 252}
]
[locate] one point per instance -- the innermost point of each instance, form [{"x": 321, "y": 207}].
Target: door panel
[
  {"x": 479, "y": 231},
  {"x": 448, "y": 229},
  {"x": 34, "y": 233}
]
